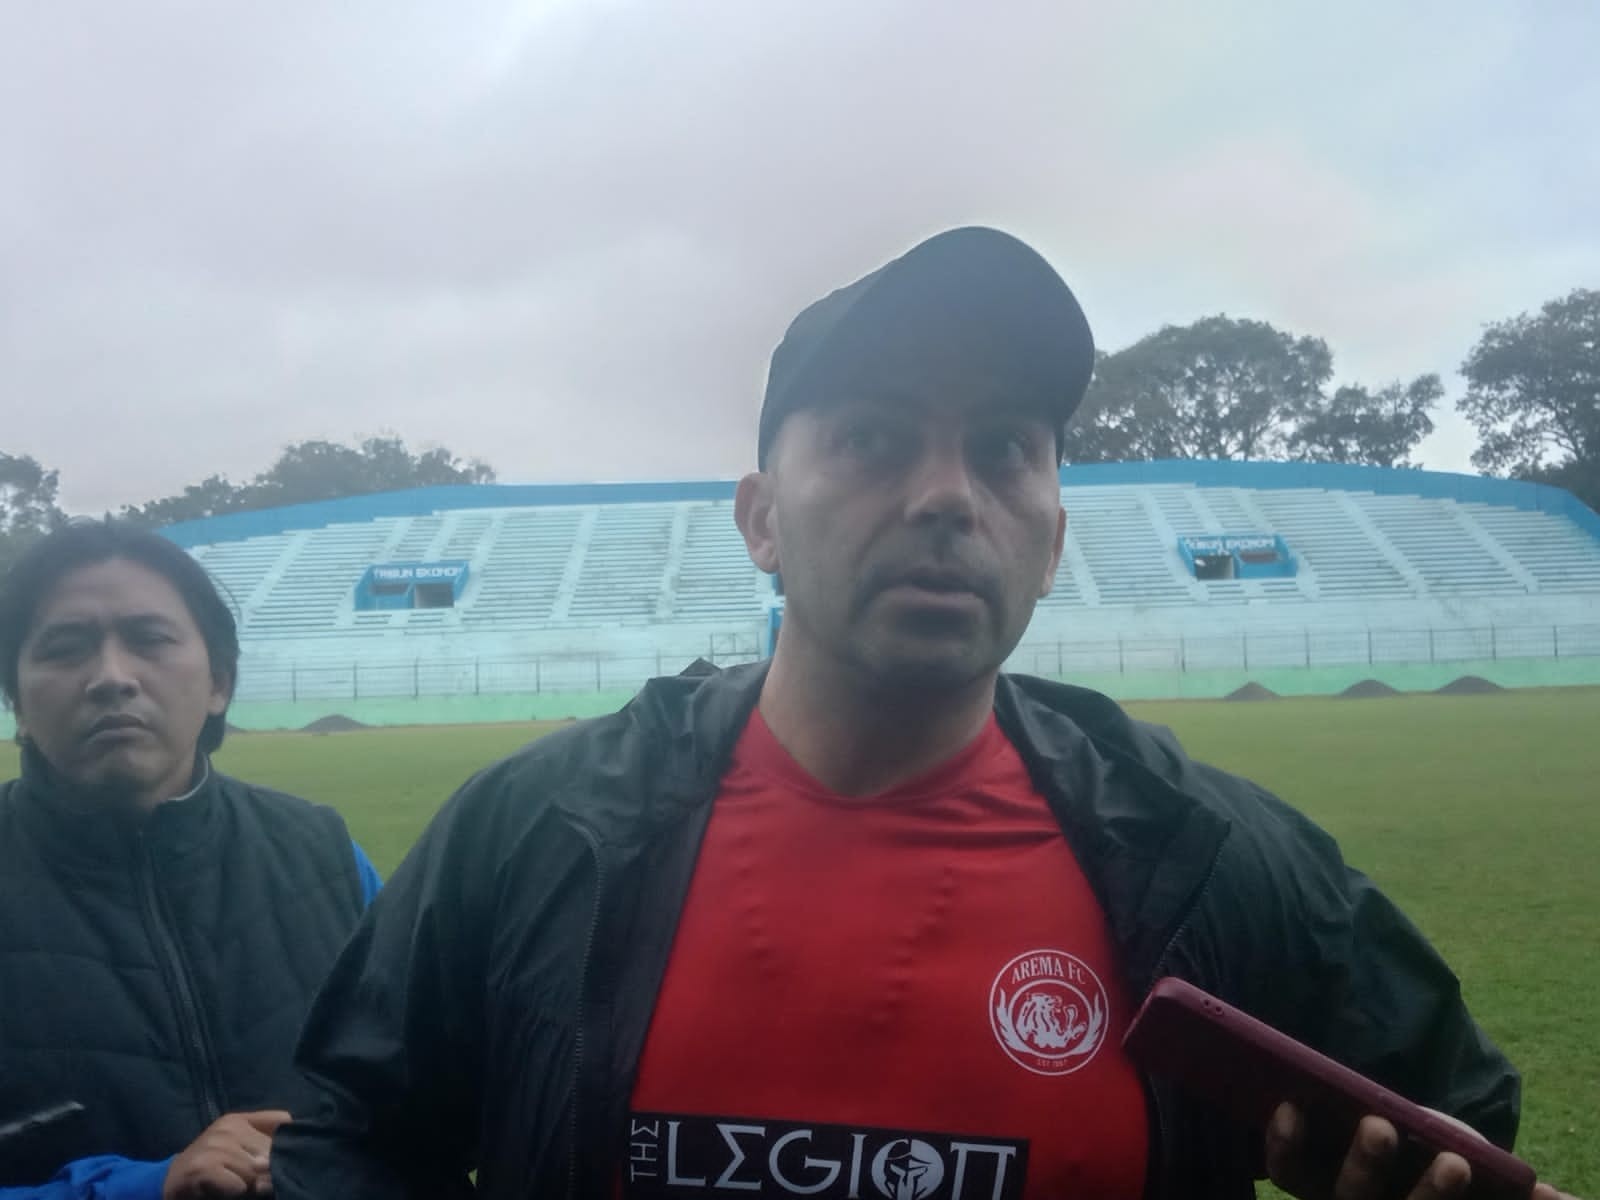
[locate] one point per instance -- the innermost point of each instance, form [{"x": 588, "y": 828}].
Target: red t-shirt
[{"x": 910, "y": 996}]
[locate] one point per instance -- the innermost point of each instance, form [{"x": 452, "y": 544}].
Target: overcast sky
[{"x": 564, "y": 235}]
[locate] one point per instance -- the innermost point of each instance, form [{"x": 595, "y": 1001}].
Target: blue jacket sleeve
[
  {"x": 104, "y": 1177},
  {"x": 371, "y": 881}
]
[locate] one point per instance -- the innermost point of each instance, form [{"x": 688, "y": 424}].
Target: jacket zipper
[
  {"x": 1157, "y": 1109},
  {"x": 579, "y": 1040},
  {"x": 1183, "y": 925},
  {"x": 201, "y": 1066}
]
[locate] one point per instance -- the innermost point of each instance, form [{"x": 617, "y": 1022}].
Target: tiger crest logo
[{"x": 1048, "y": 1011}]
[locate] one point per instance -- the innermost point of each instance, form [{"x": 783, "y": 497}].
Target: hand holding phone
[
  {"x": 1371, "y": 1164},
  {"x": 1248, "y": 1069}
]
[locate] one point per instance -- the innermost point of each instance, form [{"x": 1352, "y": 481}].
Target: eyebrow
[
  {"x": 79, "y": 625},
  {"x": 146, "y": 621}
]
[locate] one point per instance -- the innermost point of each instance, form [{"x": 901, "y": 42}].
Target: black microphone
[{"x": 34, "y": 1147}]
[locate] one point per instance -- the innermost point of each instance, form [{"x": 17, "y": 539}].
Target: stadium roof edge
[{"x": 412, "y": 502}]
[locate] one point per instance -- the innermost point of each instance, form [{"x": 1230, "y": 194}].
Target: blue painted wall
[{"x": 417, "y": 502}]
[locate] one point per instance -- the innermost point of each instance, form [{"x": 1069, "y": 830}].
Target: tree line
[
  {"x": 1219, "y": 388},
  {"x": 1236, "y": 389},
  {"x": 304, "y": 472}
]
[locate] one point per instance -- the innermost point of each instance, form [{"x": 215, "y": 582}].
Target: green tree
[
  {"x": 316, "y": 470},
  {"x": 1379, "y": 428},
  {"x": 208, "y": 498},
  {"x": 1220, "y": 388},
  {"x": 1101, "y": 430},
  {"x": 1533, "y": 392},
  {"x": 27, "y": 504}
]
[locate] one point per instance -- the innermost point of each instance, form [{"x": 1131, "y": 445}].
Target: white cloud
[{"x": 564, "y": 236}]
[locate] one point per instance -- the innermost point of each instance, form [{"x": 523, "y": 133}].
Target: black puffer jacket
[
  {"x": 158, "y": 971},
  {"x": 492, "y": 1007}
]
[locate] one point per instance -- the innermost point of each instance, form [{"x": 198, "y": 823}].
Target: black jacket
[
  {"x": 491, "y": 1008},
  {"x": 158, "y": 971}
]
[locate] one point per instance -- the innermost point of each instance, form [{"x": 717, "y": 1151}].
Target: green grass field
[{"x": 1480, "y": 815}]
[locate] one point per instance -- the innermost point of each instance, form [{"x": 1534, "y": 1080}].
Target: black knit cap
[{"x": 996, "y": 295}]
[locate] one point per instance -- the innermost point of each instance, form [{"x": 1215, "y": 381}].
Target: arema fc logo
[{"x": 1048, "y": 1011}]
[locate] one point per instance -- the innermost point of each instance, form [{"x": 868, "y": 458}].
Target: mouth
[
  {"x": 939, "y": 582},
  {"x": 937, "y": 590},
  {"x": 115, "y": 727}
]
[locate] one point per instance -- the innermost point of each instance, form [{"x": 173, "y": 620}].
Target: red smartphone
[{"x": 1247, "y": 1068}]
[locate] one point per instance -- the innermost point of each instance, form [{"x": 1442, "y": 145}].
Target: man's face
[
  {"x": 915, "y": 523},
  {"x": 114, "y": 682}
]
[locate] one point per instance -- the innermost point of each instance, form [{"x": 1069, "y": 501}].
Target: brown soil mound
[
  {"x": 1368, "y": 689},
  {"x": 336, "y": 723},
  {"x": 1252, "y": 691},
  {"x": 1470, "y": 685}
]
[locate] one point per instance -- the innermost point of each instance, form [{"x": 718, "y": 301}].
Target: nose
[
  {"x": 940, "y": 489},
  {"x": 112, "y": 677}
]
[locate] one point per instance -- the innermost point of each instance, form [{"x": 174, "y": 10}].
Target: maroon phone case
[{"x": 1247, "y": 1068}]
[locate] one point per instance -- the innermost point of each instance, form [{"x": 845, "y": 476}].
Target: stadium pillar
[
  {"x": 1494, "y": 643},
  {"x": 1308, "y": 645},
  {"x": 294, "y": 683},
  {"x": 1244, "y": 648},
  {"x": 355, "y": 681},
  {"x": 538, "y": 674},
  {"x": 1430, "y": 645},
  {"x": 416, "y": 678},
  {"x": 477, "y": 677},
  {"x": 597, "y": 672},
  {"x": 1058, "y": 661},
  {"x": 1183, "y": 654},
  {"x": 1369, "y": 645},
  {"x": 1555, "y": 640},
  {"x": 1122, "y": 664}
]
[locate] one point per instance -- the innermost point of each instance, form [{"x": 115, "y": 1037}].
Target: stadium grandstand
[{"x": 1179, "y": 579}]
